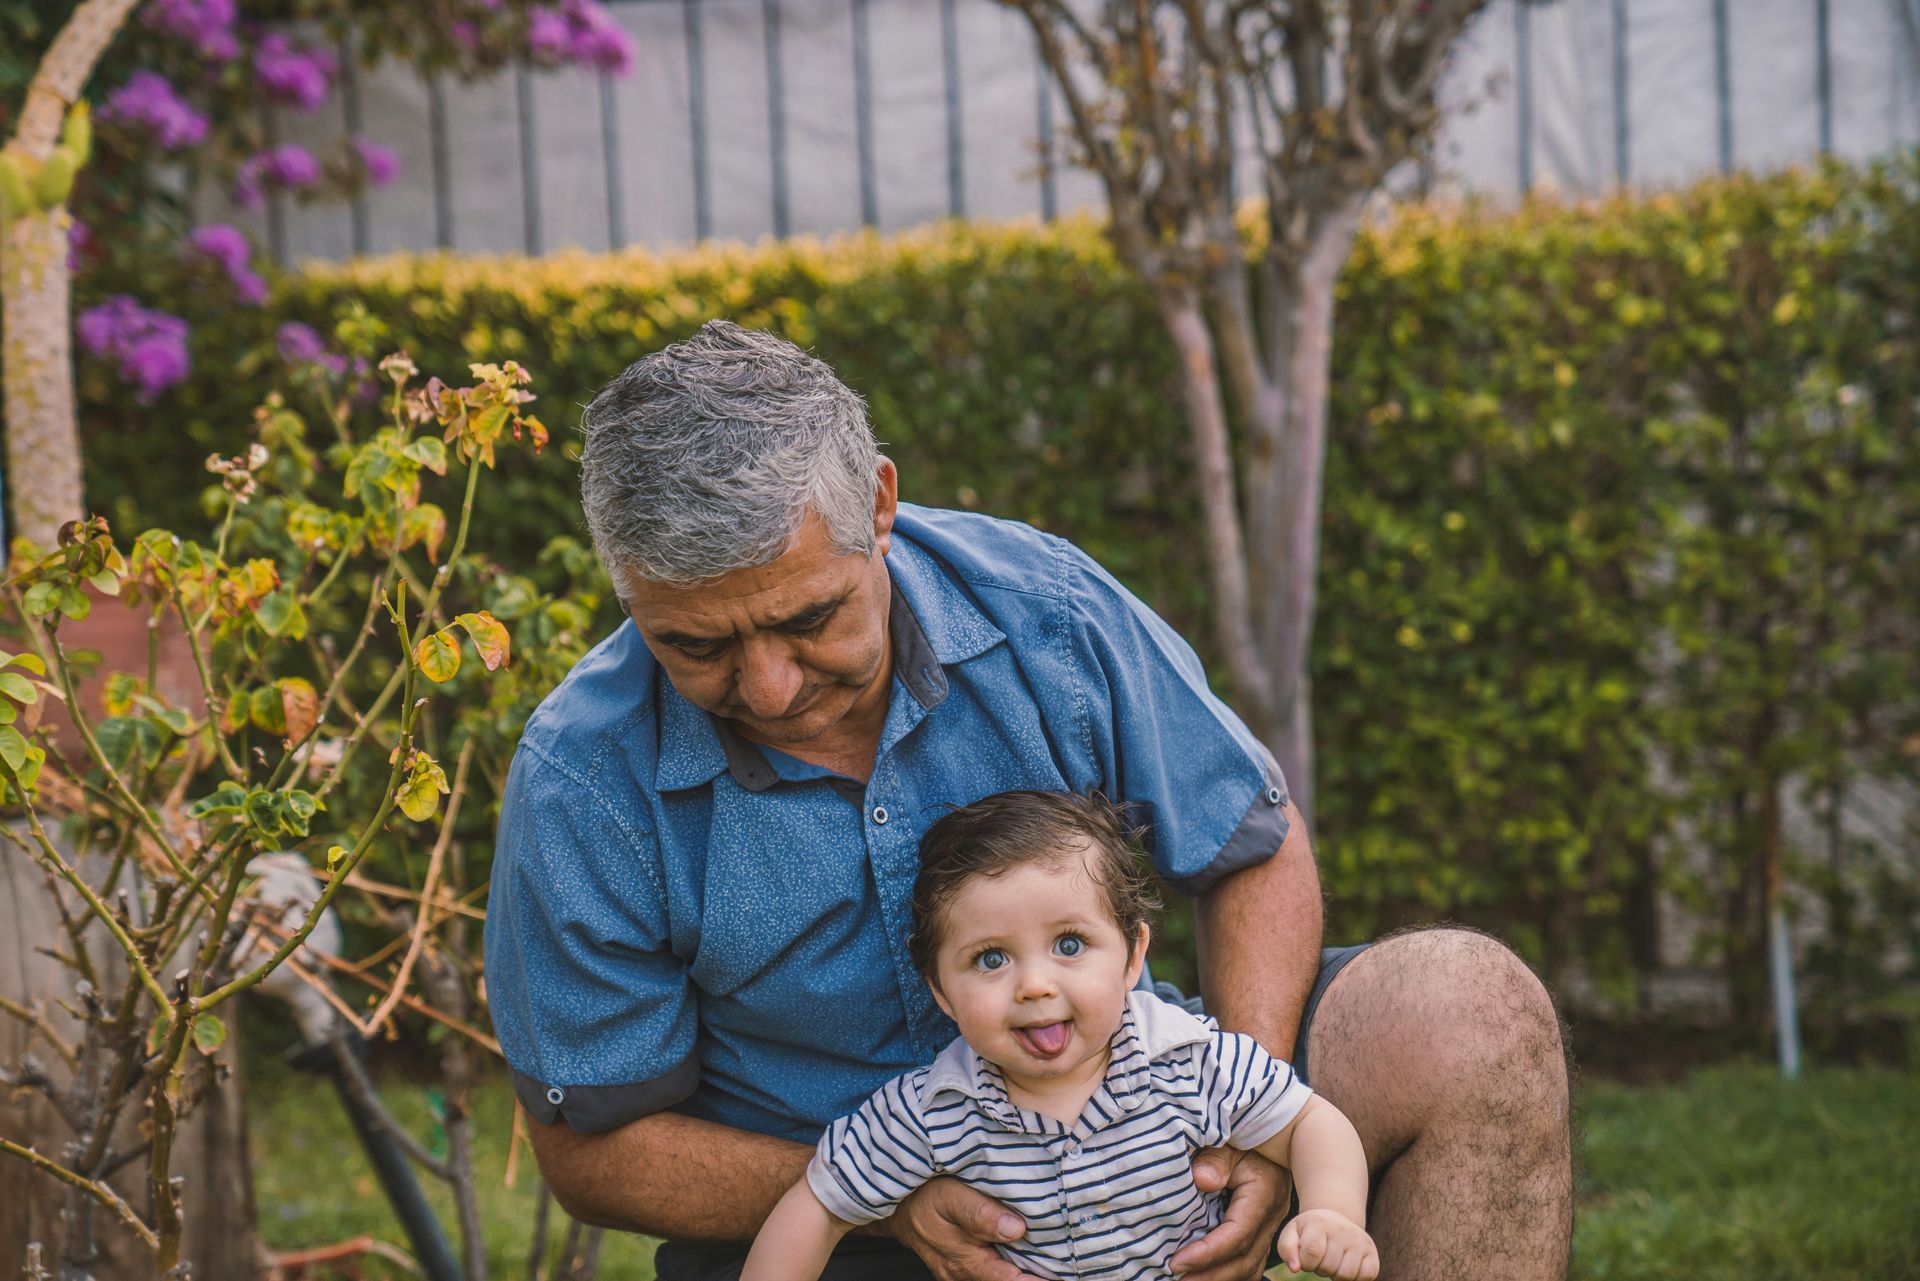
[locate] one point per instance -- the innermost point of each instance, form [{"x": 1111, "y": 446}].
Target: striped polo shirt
[{"x": 1109, "y": 1196}]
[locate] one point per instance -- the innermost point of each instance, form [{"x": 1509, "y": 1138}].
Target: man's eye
[
  {"x": 701, "y": 652},
  {"x": 991, "y": 959},
  {"x": 1069, "y": 945}
]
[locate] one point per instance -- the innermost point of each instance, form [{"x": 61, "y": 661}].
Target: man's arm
[
  {"x": 1259, "y": 942},
  {"x": 669, "y": 1175}
]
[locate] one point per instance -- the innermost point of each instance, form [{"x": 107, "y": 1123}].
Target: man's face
[{"x": 786, "y": 650}]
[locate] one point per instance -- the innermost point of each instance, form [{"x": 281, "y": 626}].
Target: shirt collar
[
  {"x": 1150, "y": 1029},
  {"x": 930, "y": 624}
]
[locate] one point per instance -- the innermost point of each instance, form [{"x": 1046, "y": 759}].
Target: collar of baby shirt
[{"x": 1150, "y": 1029}]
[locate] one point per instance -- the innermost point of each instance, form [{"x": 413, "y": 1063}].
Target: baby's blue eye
[
  {"x": 991, "y": 959},
  {"x": 1069, "y": 945}
]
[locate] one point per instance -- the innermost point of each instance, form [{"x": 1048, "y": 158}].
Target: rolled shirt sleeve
[
  {"x": 1250, "y": 1095},
  {"x": 592, "y": 1008},
  {"x": 867, "y": 1163},
  {"x": 1207, "y": 790}
]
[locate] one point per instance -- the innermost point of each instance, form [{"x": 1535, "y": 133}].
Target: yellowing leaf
[
  {"x": 419, "y": 796},
  {"x": 438, "y": 656},
  {"x": 489, "y": 638},
  {"x": 209, "y": 1034},
  {"x": 300, "y": 707}
]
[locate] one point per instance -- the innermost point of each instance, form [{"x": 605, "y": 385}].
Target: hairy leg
[{"x": 1445, "y": 1052}]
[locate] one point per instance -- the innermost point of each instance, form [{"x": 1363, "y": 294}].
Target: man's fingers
[{"x": 1211, "y": 1166}]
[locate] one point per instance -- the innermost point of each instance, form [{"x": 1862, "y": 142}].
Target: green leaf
[
  {"x": 209, "y": 1033},
  {"x": 430, "y": 452},
  {"x": 224, "y": 799},
  {"x": 126, "y": 739},
  {"x": 265, "y": 710},
  {"x": 74, "y": 603},
  {"x": 13, "y": 748},
  {"x": 335, "y": 854},
  {"x": 106, "y": 582},
  {"x": 29, "y": 661},
  {"x": 489, "y": 637},
  {"x": 42, "y": 598},
  {"x": 158, "y": 1033},
  {"x": 19, "y": 688},
  {"x": 280, "y": 614},
  {"x": 437, "y": 656}
]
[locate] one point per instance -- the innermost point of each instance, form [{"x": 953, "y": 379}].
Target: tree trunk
[
  {"x": 1286, "y": 460},
  {"x": 43, "y": 443}
]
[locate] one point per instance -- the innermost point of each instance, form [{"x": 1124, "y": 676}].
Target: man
[{"x": 697, "y": 939}]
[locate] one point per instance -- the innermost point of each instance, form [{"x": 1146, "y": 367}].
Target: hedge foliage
[{"x": 1620, "y": 543}]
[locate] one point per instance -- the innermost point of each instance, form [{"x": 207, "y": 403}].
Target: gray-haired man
[{"x": 697, "y": 944}]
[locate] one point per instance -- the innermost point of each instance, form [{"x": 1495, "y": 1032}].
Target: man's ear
[
  {"x": 1137, "y": 959},
  {"x": 886, "y": 501}
]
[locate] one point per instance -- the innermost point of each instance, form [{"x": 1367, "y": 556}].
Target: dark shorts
[{"x": 862, "y": 1258}]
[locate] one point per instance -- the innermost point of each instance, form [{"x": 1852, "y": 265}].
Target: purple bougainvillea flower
[
  {"x": 381, "y": 164},
  {"x": 205, "y": 24},
  {"x": 149, "y": 101},
  {"x": 299, "y": 77},
  {"x": 289, "y": 166},
  {"x": 549, "y": 34},
  {"x": 596, "y": 40},
  {"x": 300, "y": 344},
  {"x": 465, "y": 34},
  {"x": 148, "y": 348},
  {"x": 225, "y": 245}
]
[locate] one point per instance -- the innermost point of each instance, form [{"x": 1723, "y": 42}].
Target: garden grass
[{"x": 1729, "y": 1175}]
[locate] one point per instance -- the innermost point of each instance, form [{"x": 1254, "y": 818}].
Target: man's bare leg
[{"x": 1445, "y": 1051}]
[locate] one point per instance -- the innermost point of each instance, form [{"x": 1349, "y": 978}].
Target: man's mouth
[{"x": 1043, "y": 1040}]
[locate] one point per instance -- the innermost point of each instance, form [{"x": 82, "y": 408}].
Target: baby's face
[{"x": 1034, "y": 970}]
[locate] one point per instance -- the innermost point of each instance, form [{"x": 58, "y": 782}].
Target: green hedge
[{"x": 1620, "y": 529}]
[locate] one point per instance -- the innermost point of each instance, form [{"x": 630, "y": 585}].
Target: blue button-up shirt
[{"x": 681, "y": 918}]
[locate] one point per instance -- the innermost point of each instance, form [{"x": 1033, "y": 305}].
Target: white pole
[{"x": 1785, "y": 1014}]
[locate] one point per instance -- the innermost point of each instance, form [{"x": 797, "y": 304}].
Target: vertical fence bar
[
  {"x": 950, "y": 60},
  {"x": 776, "y": 116},
  {"x": 863, "y": 113},
  {"x": 1823, "y": 53},
  {"x": 529, "y": 159},
  {"x": 1622, "y": 169},
  {"x": 1523, "y": 74},
  {"x": 1043, "y": 128},
  {"x": 350, "y": 109},
  {"x": 610, "y": 162},
  {"x": 442, "y": 163},
  {"x": 697, "y": 120},
  {"x": 1723, "y": 84}
]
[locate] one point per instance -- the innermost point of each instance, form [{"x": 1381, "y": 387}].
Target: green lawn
[{"x": 1732, "y": 1175}]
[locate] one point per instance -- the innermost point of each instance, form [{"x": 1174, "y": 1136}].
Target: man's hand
[
  {"x": 1258, "y": 1192},
  {"x": 952, "y": 1228}
]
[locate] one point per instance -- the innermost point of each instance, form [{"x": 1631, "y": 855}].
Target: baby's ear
[
  {"x": 939, "y": 997},
  {"x": 1137, "y": 953}
]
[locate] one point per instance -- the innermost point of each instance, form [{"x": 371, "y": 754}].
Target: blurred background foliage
[{"x": 1621, "y": 570}]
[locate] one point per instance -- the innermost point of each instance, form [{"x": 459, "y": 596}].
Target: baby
[{"x": 1072, "y": 1097}]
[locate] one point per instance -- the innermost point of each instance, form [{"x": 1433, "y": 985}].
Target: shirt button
[
  {"x": 1073, "y": 1147},
  {"x": 556, "y": 1096},
  {"x": 880, "y": 815}
]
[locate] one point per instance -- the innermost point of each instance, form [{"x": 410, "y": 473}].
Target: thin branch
[
  {"x": 423, "y": 919},
  {"x": 100, "y": 1192},
  {"x": 38, "y": 1021}
]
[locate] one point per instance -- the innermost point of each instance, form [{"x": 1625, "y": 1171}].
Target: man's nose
[{"x": 769, "y": 679}]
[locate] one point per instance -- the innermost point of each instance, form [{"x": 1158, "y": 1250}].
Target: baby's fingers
[
  {"x": 1288, "y": 1246},
  {"x": 1313, "y": 1248}
]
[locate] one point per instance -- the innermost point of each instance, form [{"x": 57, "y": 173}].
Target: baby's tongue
[{"x": 1046, "y": 1040}]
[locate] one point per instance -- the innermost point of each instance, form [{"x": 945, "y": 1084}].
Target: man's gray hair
[{"x": 706, "y": 457}]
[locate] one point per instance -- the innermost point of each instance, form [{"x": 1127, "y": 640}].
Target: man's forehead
[{"x": 763, "y": 597}]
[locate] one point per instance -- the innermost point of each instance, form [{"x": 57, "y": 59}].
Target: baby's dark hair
[{"x": 993, "y": 836}]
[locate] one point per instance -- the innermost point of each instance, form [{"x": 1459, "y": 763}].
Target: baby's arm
[
  {"x": 1329, "y": 1167},
  {"x": 794, "y": 1242}
]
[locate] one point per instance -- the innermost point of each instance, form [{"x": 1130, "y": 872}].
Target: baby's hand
[{"x": 1331, "y": 1244}]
